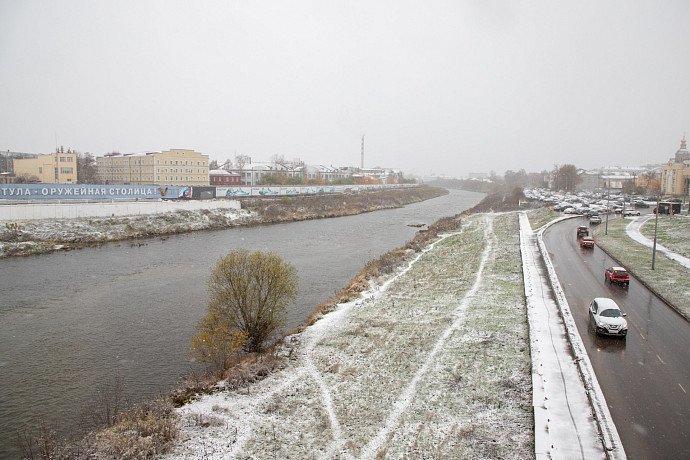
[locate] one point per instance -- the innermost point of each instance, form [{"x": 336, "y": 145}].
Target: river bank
[
  {"x": 128, "y": 310},
  {"x": 44, "y": 236},
  {"x": 352, "y": 382}
]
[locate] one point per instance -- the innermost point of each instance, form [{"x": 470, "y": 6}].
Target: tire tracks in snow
[{"x": 406, "y": 398}]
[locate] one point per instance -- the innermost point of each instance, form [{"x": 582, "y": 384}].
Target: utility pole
[
  {"x": 608, "y": 210},
  {"x": 656, "y": 225},
  {"x": 362, "y": 162}
]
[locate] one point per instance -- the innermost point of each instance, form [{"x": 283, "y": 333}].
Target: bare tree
[
  {"x": 26, "y": 178},
  {"x": 212, "y": 165},
  {"x": 566, "y": 178},
  {"x": 279, "y": 160},
  {"x": 242, "y": 160},
  {"x": 87, "y": 172}
]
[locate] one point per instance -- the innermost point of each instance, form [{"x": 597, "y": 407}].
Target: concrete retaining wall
[{"x": 33, "y": 211}]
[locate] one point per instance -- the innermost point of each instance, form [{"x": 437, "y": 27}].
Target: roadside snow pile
[
  {"x": 434, "y": 362},
  {"x": 43, "y": 234}
]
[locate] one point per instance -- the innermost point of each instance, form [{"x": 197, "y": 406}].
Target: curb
[
  {"x": 644, "y": 283},
  {"x": 610, "y": 439}
]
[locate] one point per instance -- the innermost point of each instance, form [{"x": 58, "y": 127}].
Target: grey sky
[{"x": 436, "y": 86}]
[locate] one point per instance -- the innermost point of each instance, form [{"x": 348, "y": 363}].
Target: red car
[
  {"x": 617, "y": 275},
  {"x": 587, "y": 242}
]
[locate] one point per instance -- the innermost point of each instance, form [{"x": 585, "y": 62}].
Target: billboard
[{"x": 41, "y": 192}]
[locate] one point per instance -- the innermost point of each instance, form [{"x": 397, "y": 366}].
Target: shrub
[
  {"x": 249, "y": 294},
  {"x": 142, "y": 432}
]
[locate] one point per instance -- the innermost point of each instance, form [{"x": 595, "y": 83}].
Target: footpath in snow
[
  {"x": 633, "y": 231},
  {"x": 432, "y": 363}
]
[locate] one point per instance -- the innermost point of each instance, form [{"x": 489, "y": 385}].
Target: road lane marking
[
  {"x": 662, "y": 361},
  {"x": 681, "y": 387},
  {"x": 643, "y": 337}
]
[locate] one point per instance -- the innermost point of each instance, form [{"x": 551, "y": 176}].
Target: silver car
[{"x": 607, "y": 318}]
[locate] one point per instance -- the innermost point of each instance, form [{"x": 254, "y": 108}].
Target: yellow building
[
  {"x": 675, "y": 177},
  {"x": 170, "y": 167},
  {"x": 53, "y": 168}
]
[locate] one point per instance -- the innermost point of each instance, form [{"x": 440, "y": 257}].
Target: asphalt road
[{"x": 646, "y": 377}]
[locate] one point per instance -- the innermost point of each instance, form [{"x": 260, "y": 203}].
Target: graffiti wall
[{"x": 85, "y": 192}]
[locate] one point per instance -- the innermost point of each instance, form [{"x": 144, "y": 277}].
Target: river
[{"x": 70, "y": 321}]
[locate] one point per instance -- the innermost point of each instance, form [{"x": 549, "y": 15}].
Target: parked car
[
  {"x": 587, "y": 242},
  {"x": 607, "y": 317},
  {"x": 617, "y": 275},
  {"x": 582, "y": 230},
  {"x": 594, "y": 220},
  {"x": 631, "y": 212}
]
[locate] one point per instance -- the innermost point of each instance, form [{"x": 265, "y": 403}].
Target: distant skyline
[{"x": 442, "y": 87}]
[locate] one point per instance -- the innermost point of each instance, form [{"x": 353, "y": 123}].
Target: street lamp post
[
  {"x": 656, "y": 225},
  {"x": 608, "y": 210}
]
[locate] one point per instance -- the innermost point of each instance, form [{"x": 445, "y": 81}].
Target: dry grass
[{"x": 139, "y": 433}]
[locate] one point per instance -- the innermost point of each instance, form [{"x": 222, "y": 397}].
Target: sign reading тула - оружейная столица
[{"x": 86, "y": 192}]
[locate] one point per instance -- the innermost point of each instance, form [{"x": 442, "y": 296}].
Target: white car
[
  {"x": 607, "y": 318},
  {"x": 631, "y": 212}
]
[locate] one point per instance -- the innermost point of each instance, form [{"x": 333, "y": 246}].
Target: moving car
[
  {"x": 582, "y": 230},
  {"x": 631, "y": 212},
  {"x": 617, "y": 275},
  {"x": 587, "y": 242},
  {"x": 595, "y": 219},
  {"x": 607, "y": 318}
]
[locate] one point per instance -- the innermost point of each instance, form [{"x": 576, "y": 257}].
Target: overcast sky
[{"x": 445, "y": 87}]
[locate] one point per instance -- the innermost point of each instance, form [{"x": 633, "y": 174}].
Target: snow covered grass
[
  {"x": 39, "y": 236},
  {"x": 541, "y": 216},
  {"x": 434, "y": 363},
  {"x": 673, "y": 233},
  {"x": 669, "y": 278}
]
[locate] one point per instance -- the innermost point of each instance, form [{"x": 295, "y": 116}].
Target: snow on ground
[
  {"x": 570, "y": 412},
  {"x": 41, "y": 234},
  {"x": 433, "y": 363},
  {"x": 668, "y": 279},
  {"x": 675, "y": 233}
]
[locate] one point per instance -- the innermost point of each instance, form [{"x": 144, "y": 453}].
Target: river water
[{"x": 70, "y": 321}]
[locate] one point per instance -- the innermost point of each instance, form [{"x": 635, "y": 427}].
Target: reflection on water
[{"x": 70, "y": 321}]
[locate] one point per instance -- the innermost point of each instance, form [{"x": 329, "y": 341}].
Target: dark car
[{"x": 582, "y": 230}]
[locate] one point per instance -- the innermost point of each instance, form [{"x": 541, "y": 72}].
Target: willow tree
[{"x": 249, "y": 295}]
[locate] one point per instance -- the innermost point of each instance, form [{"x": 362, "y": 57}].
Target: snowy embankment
[
  {"x": 40, "y": 236},
  {"x": 570, "y": 412},
  {"x": 433, "y": 362}
]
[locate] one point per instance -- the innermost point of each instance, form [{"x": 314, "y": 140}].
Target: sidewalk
[
  {"x": 570, "y": 413},
  {"x": 633, "y": 231}
]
